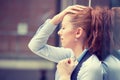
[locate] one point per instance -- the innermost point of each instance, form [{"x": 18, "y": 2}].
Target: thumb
[{"x": 69, "y": 61}]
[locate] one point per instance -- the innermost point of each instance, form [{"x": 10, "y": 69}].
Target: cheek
[
  {"x": 68, "y": 42},
  {"x": 69, "y": 37},
  {"x": 68, "y": 32}
]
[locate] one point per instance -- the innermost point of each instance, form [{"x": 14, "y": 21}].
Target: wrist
[
  {"x": 64, "y": 78},
  {"x": 56, "y": 20}
]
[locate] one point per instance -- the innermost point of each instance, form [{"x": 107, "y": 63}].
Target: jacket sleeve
[{"x": 39, "y": 46}]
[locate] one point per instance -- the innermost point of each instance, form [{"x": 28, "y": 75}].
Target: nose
[{"x": 59, "y": 32}]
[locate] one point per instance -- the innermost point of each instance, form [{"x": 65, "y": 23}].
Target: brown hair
[
  {"x": 97, "y": 24},
  {"x": 83, "y": 19},
  {"x": 100, "y": 40}
]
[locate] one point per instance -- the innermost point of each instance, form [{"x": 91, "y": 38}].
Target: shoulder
[
  {"x": 91, "y": 69},
  {"x": 93, "y": 63},
  {"x": 92, "y": 60}
]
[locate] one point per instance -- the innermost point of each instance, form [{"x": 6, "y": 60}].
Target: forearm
[{"x": 41, "y": 37}]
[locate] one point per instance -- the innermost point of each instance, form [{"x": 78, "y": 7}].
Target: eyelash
[{"x": 62, "y": 28}]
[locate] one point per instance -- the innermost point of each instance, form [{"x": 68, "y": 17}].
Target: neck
[{"x": 78, "y": 49}]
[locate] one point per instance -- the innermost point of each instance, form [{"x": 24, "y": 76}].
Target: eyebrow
[{"x": 61, "y": 24}]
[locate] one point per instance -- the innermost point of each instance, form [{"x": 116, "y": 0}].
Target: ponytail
[{"x": 99, "y": 40}]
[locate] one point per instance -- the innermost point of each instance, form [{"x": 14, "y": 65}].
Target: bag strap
[{"x": 77, "y": 68}]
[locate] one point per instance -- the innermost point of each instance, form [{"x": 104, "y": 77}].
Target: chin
[{"x": 66, "y": 47}]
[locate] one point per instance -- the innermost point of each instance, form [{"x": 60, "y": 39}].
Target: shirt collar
[{"x": 82, "y": 54}]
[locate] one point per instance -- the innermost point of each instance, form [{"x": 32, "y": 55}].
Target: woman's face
[{"x": 67, "y": 33}]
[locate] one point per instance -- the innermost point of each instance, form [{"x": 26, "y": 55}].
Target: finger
[
  {"x": 63, "y": 61},
  {"x": 77, "y": 8},
  {"x": 81, "y": 6},
  {"x": 73, "y": 11},
  {"x": 58, "y": 66},
  {"x": 69, "y": 61},
  {"x": 73, "y": 58}
]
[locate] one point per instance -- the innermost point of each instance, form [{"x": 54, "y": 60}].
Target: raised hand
[{"x": 70, "y": 9}]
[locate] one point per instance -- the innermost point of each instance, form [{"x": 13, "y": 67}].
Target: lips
[{"x": 61, "y": 39}]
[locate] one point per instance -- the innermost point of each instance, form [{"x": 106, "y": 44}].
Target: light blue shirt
[
  {"x": 91, "y": 69},
  {"x": 81, "y": 55}
]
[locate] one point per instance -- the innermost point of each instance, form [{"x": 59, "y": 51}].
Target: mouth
[{"x": 61, "y": 39}]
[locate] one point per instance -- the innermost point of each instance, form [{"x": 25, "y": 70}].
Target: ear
[{"x": 79, "y": 32}]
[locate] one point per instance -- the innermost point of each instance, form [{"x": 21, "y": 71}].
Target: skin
[
  {"x": 71, "y": 9},
  {"x": 70, "y": 38},
  {"x": 68, "y": 31},
  {"x": 65, "y": 72}
]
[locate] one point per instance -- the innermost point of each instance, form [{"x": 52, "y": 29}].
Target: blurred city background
[{"x": 19, "y": 19}]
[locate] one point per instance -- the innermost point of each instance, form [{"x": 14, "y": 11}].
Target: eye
[{"x": 62, "y": 28}]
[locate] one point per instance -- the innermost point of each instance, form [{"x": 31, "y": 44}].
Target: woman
[
  {"x": 76, "y": 37},
  {"x": 100, "y": 45},
  {"x": 111, "y": 49}
]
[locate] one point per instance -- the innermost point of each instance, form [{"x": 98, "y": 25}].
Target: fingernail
[{"x": 69, "y": 61}]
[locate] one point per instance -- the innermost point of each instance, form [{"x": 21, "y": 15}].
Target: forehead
[{"x": 66, "y": 20}]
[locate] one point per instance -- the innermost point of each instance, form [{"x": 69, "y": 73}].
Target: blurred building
[{"x": 19, "y": 19}]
